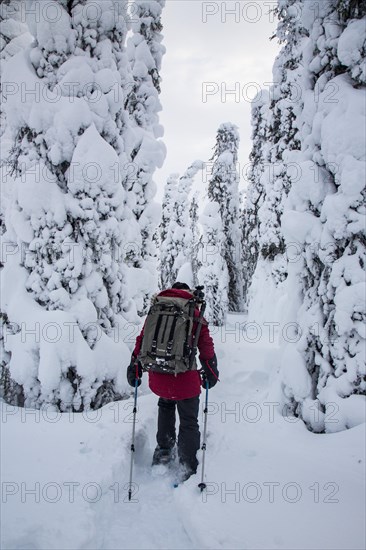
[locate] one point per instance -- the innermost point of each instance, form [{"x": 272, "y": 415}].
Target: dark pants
[{"x": 189, "y": 435}]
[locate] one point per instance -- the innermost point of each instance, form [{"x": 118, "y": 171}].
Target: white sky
[{"x": 213, "y": 51}]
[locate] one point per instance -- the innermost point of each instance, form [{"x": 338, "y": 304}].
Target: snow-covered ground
[{"x": 270, "y": 482}]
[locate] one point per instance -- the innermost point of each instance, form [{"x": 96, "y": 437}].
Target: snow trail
[{"x": 265, "y": 473}]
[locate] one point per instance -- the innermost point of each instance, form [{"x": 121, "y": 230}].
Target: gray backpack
[{"x": 168, "y": 344}]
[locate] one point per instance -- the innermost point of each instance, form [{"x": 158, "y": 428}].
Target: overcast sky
[{"x": 211, "y": 51}]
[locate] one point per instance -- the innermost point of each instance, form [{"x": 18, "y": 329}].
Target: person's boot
[
  {"x": 185, "y": 471},
  {"x": 163, "y": 456}
]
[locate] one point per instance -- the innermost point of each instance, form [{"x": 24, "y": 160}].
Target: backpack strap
[
  {"x": 165, "y": 327},
  {"x": 171, "y": 334},
  {"x": 156, "y": 334}
]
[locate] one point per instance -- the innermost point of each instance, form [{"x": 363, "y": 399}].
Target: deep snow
[{"x": 271, "y": 483}]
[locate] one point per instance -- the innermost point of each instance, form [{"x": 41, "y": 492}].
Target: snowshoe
[
  {"x": 163, "y": 456},
  {"x": 184, "y": 472}
]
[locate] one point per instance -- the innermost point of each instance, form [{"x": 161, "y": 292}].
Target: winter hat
[{"x": 181, "y": 286}]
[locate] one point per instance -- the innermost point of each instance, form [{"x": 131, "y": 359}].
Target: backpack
[{"x": 168, "y": 342}]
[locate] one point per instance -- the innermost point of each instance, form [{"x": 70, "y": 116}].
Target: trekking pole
[
  {"x": 133, "y": 438},
  {"x": 202, "y": 485}
]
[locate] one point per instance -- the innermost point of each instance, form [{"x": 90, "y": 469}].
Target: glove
[
  {"x": 134, "y": 370},
  {"x": 209, "y": 372}
]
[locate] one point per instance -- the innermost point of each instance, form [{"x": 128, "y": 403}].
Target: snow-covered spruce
[
  {"x": 195, "y": 234},
  {"x": 167, "y": 249},
  {"x": 182, "y": 234},
  {"x": 254, "y": 194},
  {"x": 213, "y": 273},
  {"x": 67, "y": 223},
  {"x": 322, "y": 224},
  {"x": 14, "y": 37},
  {"x": 177, "y": 239},
  {"x": 274, "y": 116},
  {"x": 325, "y": 215},
  {"x": 223, "y": 190},
  {"x": 147, "y": 151}
]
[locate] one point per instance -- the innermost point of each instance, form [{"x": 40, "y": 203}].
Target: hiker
[{"x": 179, "y": 391}]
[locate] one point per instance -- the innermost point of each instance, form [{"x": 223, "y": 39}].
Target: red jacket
[{"x": 186, "y": 384}]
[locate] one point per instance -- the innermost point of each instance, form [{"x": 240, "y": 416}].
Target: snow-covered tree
[
  {"x": 147, "y": 152},
  {"x": 182, "y": 235},
  {"x": 286, "y": 103},
  {"x": 274, "y": 122},
  {"x": 254, "y": 195},
  {"x": 324, "y": 215},
  {"x": 177, "y": 239},
  {"x": 311, "y": 207},
  {"x": 167, "y": 250},
  {"x": 195, "y": 232},
  {"x": 14, "y": 37},
  {"x": 223, "y": 189},
  {"x": 67, "y": 218},
  {"x": 213, "y": 273}
]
